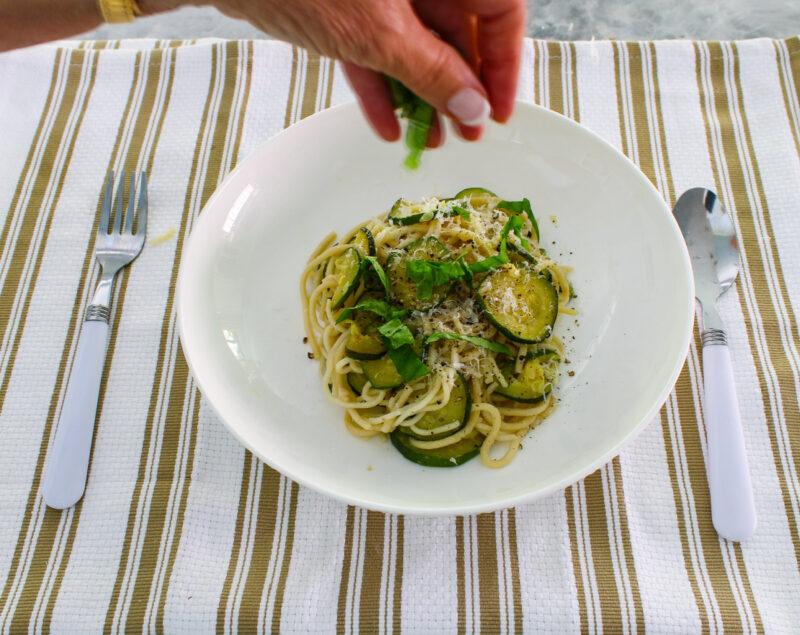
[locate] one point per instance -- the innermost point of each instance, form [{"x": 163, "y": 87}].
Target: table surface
[
  {"x": 182, "y": 530},
  {"x": 547, "y": 19}
]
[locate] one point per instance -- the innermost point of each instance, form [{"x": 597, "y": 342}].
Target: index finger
[{"x": 501, "y": 27}]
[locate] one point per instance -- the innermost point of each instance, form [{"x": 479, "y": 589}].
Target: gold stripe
[
  {"x": 224, "y": 601},
  {"x": 287, "y": 557},
  {"x": 288, "y": 120},
  {"x": 63, "y": 105},
  {"x": 132, "y": 160},
  {"x": 603, "y": 563},
  {"x": 174, "y": 425},
  {"x": 488, "y": 570},
  {"x": 461, "y": 573},
  {"x": 516, "y": 592},
  {"x": 161, "y": 368},
  {"x": 710, "y": 555},
  {"x": 555, "y": 96},
  {"x": 250, "y": 463},
  {"x": 774, "y": 356},
  {"x": 397, "y": 622},
  {"x": 550, "y": 65},
  {"x": 347, "y": 562},
  {"x": 626, "y": 541},
  {"x": 268, "y": 521},
  {"x": 374, "y": 554},
  {"x": 194, "y": 421}
]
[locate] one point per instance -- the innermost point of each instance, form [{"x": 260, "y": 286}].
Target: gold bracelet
[{"x": 115, "y": 11}]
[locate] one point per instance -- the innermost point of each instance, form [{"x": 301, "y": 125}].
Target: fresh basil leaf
[
  {"x": 492, "y": 262},
  {"x": 419, "y": 114},
  {"x": 372, "y": 260},
  {"x": 464, "y": 213},
  {"x": 468, "y": 276},
  {"x": 495, "y": 347},
  {"x": 408, "y": 363},
  {"x": 428, "y": 274},
  {"x": 518, "y": 207},
  {"x": 395, "y": 334},
  {"x": 379, "y": 307}
]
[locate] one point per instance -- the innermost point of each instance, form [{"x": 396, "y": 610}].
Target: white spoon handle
[{"x": 732, "y": 508}]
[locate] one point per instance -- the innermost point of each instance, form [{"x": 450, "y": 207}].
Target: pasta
[{"x": 432, "y": 323}]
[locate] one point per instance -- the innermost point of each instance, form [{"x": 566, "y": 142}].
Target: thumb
[{"x": 436, "y": 72}]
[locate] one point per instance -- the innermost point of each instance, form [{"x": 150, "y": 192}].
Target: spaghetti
[{"x": 432, "y": 324}]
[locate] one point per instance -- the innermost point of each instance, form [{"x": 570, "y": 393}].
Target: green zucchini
[
  {"x": 457, "y": 408},
  {"x": 364, "y": 341},
  {"x": 404, "y": 289},
  {"x": 347, "y": 269},
  {"x": 475, "y": 192},
  {"x": 518, "y": 253},
  {"x": 520, "y": 302},
  {"x": 535, "y": 379},
  {"x": 364, "y": 242},
  {"x": 357, "y": 381},
  {"x": 405, "y": 212},
  {"x": 381, "y": 373},
  {"x": 447, "y": 456}
]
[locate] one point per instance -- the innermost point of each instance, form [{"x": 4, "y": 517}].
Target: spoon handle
[{"x": 732, "y": 508}]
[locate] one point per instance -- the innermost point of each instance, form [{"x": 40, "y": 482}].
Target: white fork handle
[
  {"x": 733, "y": 511},
  {"x": 68, "y": 460}
]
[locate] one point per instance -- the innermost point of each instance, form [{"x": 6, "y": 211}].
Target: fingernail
[{"x": 469, "y": 107}]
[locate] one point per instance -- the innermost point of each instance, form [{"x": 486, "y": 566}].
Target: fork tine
[
  {"x": 129, "y": 214},
  {"x": 141, "y": 224},
  {"x": 120, "y": 196},
  {"x": 105, "y": 209}
]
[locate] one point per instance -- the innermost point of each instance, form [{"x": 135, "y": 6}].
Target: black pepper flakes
[
  {"x": 310, "y": 355},
  {"x": 305, "y": 340},
  {"x": 571, "y": 373}
]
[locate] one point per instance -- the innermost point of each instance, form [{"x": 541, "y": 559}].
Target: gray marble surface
[{"x": 550, "y": 19}]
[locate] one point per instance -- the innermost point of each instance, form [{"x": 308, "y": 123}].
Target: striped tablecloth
[{"x": 181, "y": 530}]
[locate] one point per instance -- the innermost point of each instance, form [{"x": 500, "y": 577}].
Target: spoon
[{"x": 711, "y": 239}]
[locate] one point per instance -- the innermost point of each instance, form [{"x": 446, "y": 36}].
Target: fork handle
[
  {"x": 68, "y": 460},
  {"x": 733, "y": 510}
]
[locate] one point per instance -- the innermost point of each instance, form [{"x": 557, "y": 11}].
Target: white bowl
[{"x": 240, "y": 314}]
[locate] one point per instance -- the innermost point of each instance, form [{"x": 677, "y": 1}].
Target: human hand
[{"x": 476, "y": 38}]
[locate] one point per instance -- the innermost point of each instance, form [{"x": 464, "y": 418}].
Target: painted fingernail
[{"x": 469, "y": 107}]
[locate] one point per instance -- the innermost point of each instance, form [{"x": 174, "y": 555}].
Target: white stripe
[
  {"x": 426, "y": 567},
  {"x": 386, "y": 563},
  {"x": 269, "y": 592},
  {"x": 318, "y": 556},
  {"x": 21, "y": 124},
  {"x": 627, "y": 613},
  {"x": 92, "y": 571},
  {"x": 773, "y": 285},
  {"x": 582, "y": 535},
  {"x": 218, "y": 458},
  {"x": 143, "y": 508},
  {"x": 245, "y": 545},
  {"x": 502, "y": 588},
  {"x": 67, "y": 140},
  {"x": 181, "y": 465},
  {"x": 35, "y": 164},
  {"x": 548, "y": 589}
]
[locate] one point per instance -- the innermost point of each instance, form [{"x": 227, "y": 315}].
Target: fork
[{"x": 68, "y": 460}]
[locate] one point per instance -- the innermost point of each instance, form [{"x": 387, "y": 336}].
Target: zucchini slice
[
  {"x": 364, "y": 341},
  {"x": 347, "y": 269},
  {"x": 364, "y": 242},
  {"x": 405, "y": 212},
  {"x": 404, "y": 289},
  {"x": 521, "y": 303},
  {"x": 381, "y": 373},
  {"x": 357, "y": 381},
  {"x": 476, "y": 192},
  {"x": 534, "y": 381},
  {"x": 448, "y": 456},
  {"x": 457, "y": 408}
]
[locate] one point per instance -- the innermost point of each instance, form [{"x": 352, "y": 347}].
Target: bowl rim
[{"x": 207, "y": 390}]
